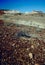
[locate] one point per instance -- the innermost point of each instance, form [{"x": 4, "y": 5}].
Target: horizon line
[{"x": 21, "y": 11}]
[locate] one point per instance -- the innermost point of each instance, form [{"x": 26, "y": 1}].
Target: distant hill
[
  {"x": 34, "y": 18},
  {"x": 16, "y": 12},
  {"x": 35, "y": 13}
]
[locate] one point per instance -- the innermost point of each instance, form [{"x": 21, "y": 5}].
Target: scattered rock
[{"x": 30, "y": 55}]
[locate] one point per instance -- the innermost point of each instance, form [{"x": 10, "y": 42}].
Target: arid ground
[{"x": 22, "y": 39}]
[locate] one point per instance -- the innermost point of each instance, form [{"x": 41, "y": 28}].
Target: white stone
[
  {"x": 32, "y": 46},
  {"x": 30, "y": 55}
]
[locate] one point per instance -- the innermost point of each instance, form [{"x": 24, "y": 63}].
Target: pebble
[{"x": 30, "y": 55}]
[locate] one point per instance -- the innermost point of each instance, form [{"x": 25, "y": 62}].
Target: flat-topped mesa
[
  {"x": 36, "y": 11},
  {"x": 39, "y": 13}
]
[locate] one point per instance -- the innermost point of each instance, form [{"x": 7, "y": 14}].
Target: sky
[{"x": 23, "y": 5}]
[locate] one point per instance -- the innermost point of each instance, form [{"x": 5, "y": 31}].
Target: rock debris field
[
  {"x": 22, "y": 38},
  {"x": 17, "y": 47}
]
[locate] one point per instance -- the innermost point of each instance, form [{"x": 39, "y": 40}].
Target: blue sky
[{"x": 23, "y": 5}]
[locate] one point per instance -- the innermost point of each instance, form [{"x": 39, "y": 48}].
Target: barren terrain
[{"x": 22, "y": 39}]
